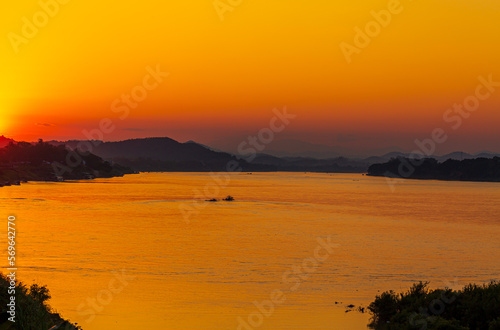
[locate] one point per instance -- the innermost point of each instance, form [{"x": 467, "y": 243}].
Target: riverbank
[
  {"x": 18, "y": 174},
  {"x": 477, "y": 170},
  {"x": 23, "y": 162}
]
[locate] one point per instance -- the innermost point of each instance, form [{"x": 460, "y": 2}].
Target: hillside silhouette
[
  {"x": 158, "y": 154},
  {"x": 165, "y": 154},
  {"x": 23, "y": 161},
  {"x": 4, "y": 141}
]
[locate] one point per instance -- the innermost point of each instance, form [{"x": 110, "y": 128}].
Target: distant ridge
[
  {"x": 165, "y": 154},
  {"x": 4, "y": 141},
  {"x": 160, "y": 148},
  {"x": 205, "y": 146}
]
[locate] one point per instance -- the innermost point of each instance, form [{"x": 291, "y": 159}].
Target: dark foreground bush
[
  {"x": 473, "y": 307},
  {"x": 32, "y": 310}
]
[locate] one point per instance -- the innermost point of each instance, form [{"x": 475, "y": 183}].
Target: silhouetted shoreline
[
  {"x": 22, "y": 162},
  {"x": 475, "y": 170},
  {"x": 57, "y": 162}
]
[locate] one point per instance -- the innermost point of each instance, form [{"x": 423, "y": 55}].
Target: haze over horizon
[
  {"x": 210, "y": 79},
  {"x": 297, "y": 148}
]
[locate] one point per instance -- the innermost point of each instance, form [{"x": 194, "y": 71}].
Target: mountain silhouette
[
  {"x": 164, "y": 154},
  {"x": 5, "y": 141}
]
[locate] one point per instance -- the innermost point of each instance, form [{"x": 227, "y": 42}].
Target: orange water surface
[{"x": 119, "y": 254}]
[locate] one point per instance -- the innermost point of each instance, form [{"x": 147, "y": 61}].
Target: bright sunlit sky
[{"x": 226, "y": 76}]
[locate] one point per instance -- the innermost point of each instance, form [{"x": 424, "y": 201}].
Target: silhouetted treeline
[
  {"x": 479, "y": 169},
  {"x": 41, "y": 161},
  {"x": 473, "y": 307}
]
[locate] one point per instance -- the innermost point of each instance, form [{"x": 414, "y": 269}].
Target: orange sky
[{"x": 226, "y": 76}]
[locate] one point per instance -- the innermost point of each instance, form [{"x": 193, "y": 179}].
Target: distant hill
[
  {"x": 486, "y": 154},
  {"x": 286, "y": 148},
  {"x": 164, "y": 149},
  {"x": 161, "y": 148},
  {"x": 5, "y": 141},
  {"x": 165, "y": 154},
  {"x": 204, "y": 146}
]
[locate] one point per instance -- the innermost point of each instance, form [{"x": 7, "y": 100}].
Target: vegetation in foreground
[
  {"x": 473, "y": 307},
  {"x": 32, "y": 308}
]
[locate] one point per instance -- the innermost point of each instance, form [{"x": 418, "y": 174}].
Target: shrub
[{"x": 473, "y": 307}]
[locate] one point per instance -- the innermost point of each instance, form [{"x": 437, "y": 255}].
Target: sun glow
[
  {"x": 3, "y": 120},
  {"x": 66, "y": 73}
]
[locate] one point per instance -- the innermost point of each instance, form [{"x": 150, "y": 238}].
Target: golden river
[{"x": 290, "y": 252}]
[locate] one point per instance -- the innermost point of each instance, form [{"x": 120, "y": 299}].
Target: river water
[{"x": 290, "y": 252}]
